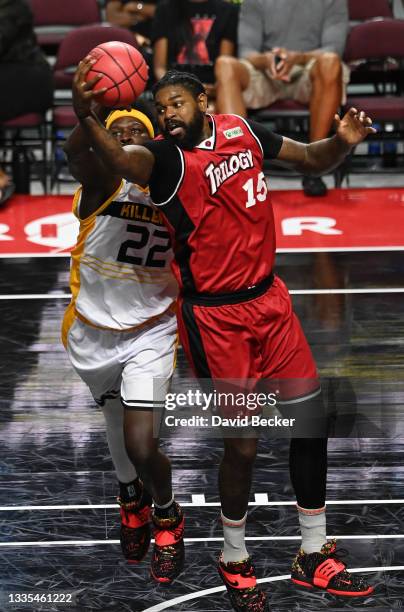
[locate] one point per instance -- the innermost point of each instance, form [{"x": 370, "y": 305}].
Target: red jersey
[{"x": 219, "y": 211}]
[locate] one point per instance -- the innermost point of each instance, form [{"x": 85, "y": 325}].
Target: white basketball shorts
[{"x": 135, "y": 365}]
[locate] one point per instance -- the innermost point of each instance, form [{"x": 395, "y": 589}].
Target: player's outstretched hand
[
  {"x": 83, "y": 93},
  {"x": 354, "y": 126}
]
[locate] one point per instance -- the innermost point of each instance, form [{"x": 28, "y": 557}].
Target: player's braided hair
[{"x": 176, "y": 77}]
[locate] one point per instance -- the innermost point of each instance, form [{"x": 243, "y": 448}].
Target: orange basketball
[{"x": 124, "y": 73}]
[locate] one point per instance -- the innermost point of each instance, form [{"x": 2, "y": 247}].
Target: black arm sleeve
[
  {"x": 167, "y": 170},
  {"x": 270, "y": 141}
]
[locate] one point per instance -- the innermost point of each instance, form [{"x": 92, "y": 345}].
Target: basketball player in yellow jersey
[{"x": 120, "y": 334}]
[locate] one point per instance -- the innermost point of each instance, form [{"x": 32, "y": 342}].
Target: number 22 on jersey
[{"x": 147, "y": 248}]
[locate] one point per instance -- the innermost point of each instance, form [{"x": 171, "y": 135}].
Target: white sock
[
  {"x": 164, "y": 506},
  {"x": 313, "y": 528},
  {"x": 113, "y": 414},
  {"x": 166, "y": 511},
  {"x": 234, "y": 539}
]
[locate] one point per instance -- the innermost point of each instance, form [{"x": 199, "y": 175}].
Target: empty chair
[
  {"x": 77, "y": 43},
  {"x": 377, "y": 49},
  {"x": 54, "y": 18},
  {"x": 375, "y": 40},
  {"x": 361, "y": 10},
  {"x": 22, "y": 135},
  {"x": 374, "y": 51}
]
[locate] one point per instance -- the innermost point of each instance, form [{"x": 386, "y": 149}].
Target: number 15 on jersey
[{"x": 255, "y": 190}]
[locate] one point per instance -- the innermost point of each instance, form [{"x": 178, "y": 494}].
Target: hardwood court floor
[{"x": 58, "y": 517}]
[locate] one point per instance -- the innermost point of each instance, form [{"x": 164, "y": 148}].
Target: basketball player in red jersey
[{"x": 235, "y": 318}]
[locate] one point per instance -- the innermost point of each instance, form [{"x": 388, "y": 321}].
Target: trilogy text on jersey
[{"x": 219, "y": 173}]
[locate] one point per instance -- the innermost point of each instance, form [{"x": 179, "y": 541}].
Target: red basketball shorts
[{"x": 257, "y": 339}]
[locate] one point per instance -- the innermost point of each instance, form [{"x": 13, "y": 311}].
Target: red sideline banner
[
  {"x": 37, "y": 225},
  {"x": 347, "y": 219}
]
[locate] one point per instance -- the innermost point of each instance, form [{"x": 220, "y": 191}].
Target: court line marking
[
  {"x": 280, "y": 250},
  {"x": 340, "y": 249},
  {"x": 32, "y": 255},
  {"x": 199, "y": 503},
  {"x": 364, "y": 290},
  {"x": 350, "y": 291},
  {"x": 196, "y": 595},
  {"x": 51, "y": 543},
  {"x": 36, "y": 296}
]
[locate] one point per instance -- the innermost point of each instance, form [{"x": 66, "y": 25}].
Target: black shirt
[
  {"x": 167, "y": 167},
  {"x": 211, "y": 22},
  {"x": 18, "y": 43},
  {"x": 142, "y": 27}
]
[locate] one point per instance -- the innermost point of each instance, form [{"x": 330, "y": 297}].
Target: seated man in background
[
  {"x": 191, "y": 34},
  {"x": 25, "y": 75},
  {"x": 288, "y": 49}
]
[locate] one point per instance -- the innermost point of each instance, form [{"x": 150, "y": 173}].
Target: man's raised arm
[
  {"x": 135, "y": 163},
  {"x": 324, "y": 155}
]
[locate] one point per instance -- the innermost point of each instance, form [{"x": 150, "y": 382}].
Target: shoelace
[
  {"x": 127, "y": 505},
  {"x": 176, "y": 531},
  {"x": 166, "y": 558},
  {"x": 342, "y": 552},
  {"x": 246, "y": 570},
  {"x": 255, "y": 599},
  {"x": 127, "y": 512},
  {"x": 252, "y": 595},
  {"x": 142, "y": 513},
  {"x": 339, "y": 555}
]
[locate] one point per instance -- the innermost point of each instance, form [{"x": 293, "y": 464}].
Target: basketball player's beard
[{"x": 193, "y": 132}]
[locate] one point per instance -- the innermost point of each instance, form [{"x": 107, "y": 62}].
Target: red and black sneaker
[
  {"x": 324, "y": 570},
  {"x": 168, "y": 555},
  {"x": 241, "y": 584},
  {"x": 135, "y": 530}
]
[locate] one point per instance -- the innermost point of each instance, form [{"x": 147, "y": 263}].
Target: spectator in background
[
  {"x": 398, "y": 9},
  {"x": 25, "y": 75},
  {"x": 191, "y": 35},
  {"x": 288, "y": 49},
  {"x": 136, "y": 16}
]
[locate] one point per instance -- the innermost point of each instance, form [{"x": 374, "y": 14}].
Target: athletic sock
[
  {"x": 114, "y": 415},
  {"x": 166, "y": 511},
  {"x": 313, "y": 528},
  {"x": 130, "y": 491},
  {"x": 234, "y": 539}
]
